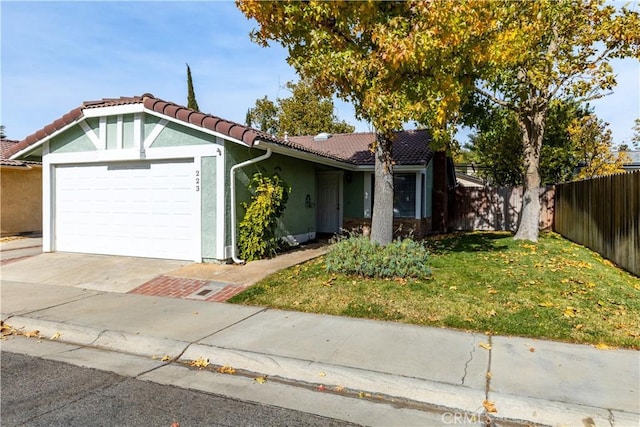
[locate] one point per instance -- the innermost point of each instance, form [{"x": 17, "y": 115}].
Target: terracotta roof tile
[{"x": 410, "y": 147}]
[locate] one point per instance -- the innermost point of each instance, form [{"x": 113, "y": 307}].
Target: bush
[
  {"x": 361, "y": 256},
  {"x": 258, "y": 227}
]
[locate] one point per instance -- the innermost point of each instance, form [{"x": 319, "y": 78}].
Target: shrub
[
  {"x": 257, "y": 229},
  {"x": 361, "y": 256}
]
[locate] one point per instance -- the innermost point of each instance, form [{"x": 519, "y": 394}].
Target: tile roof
[
  {"x": 6, "y": 147},
  {"x": 410, "y": 148},
  {"x": 206, "y": 121}
]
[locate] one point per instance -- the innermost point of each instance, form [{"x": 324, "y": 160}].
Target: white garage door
[{"x": 144, "y": 209}]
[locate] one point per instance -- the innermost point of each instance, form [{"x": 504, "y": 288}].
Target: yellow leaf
[
  {"x": 32, "y": 334},
  {"x": 261, "y": 380},
  {"x": 485, "y": 346},
  {"x": 322, "y": 374},
  {"x": 602, "y": 346},
  {"x": 491, "y": 313},
  {"x": 56, "y": 336},
  {"x": 453, "y": 288},
  {"x": 489, "y": 406},
  {"x": 166, "y": 358},
  {"x": 546, "y": 304},
  {"x": 570, "y": 312},
  {"x": 226, "y": 369},
  {"x": 199, "y": 363}
]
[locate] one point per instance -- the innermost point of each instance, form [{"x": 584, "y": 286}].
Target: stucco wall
[{"x": 21, "y": 196}]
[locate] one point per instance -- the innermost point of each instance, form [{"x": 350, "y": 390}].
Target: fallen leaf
[
  {"x": 199, "y": 363},
  {"x": 226, "y": 369},
  {"x": 485, "y": 346},
  {"x": 362, "y": 395},
  {"x": 570, "y": 312},
  {"x": 338, "y": 388},
  {"x": 602, "y": 346},
  {"x": 32, "y": 334},
  {"x": 489, "y": 375},
  {"x": 489, "y": 406},
  {"x": 56, "y": 336},
  {"x": 322, "y": 374},
  {"x": 491, "y": 313},
  {"x": 261, "y": 380},
  {"x": 546, "y": 304},
  {"x": 175, "y": 424},
  {"x": 532, "y": 350},
  {"x": 320, "y": 387},
  {"x": 453, "y": 288},
  {"x": 166, "y": 358}
]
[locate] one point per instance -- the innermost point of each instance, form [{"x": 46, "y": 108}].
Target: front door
[{"x": 329, "y": 202}]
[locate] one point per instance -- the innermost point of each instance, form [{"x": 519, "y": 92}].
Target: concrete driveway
[{"x": 96, "y": 272}]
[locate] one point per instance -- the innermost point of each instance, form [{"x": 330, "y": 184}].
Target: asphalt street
[{"x": 38, "y": 392}]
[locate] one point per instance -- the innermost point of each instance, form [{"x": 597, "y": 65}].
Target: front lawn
[{"x": 483, "y": 281}]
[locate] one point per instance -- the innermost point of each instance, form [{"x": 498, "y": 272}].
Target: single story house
[
  {"x": 20, "y": 193},
  {"x": 139, "y": 176}
]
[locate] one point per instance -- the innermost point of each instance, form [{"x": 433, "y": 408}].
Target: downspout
[{"x": 234, "y": 238}]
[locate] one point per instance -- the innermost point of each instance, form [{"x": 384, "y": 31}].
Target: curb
[{"x": 462, "y": 403}]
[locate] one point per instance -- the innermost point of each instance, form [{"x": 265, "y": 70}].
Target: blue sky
[{"x": 55, "y": 55}]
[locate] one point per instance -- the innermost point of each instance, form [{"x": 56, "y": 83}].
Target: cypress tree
[{"x": 191, "y": 95}]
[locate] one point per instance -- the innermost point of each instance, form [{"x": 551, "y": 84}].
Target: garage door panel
[{"x": 142, "y": 209}]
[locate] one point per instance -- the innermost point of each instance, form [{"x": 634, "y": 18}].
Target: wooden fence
[
  {"x": 495, "y": 208},
  {"x": 604, "y": 215}
]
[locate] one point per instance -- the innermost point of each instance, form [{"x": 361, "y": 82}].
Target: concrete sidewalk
[{"x": 528, "y": 380}]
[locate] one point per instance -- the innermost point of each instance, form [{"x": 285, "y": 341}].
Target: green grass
[{"x": 483, "y": 281}]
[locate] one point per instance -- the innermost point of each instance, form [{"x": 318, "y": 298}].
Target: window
[{"x": 404, "y": 195}]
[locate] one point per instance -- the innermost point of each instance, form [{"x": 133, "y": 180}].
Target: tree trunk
[
  {"x": 382, "y": 218},
  {"x": 532, "y": 126}
]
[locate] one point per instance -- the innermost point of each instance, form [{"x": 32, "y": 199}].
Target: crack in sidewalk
[{"x": 466, "y": 365}]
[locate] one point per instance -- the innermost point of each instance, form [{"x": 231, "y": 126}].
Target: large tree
[
  {"x": 417, "y": 60},
  {"x": 496, "y": 144},
  {"x": 548, "y": 50},
  {"x": 305, "y": 112},
  {"x": 382, "y": 57}
]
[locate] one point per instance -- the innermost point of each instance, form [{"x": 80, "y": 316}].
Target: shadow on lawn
[{"x": 467, "y": 242}]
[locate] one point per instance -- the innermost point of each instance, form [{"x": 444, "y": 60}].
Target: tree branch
[{"x": 495, "y": 99}]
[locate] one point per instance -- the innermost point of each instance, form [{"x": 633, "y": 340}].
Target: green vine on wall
[{"x": 258, "y": 227}]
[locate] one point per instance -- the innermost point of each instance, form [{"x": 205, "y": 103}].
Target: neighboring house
[
  {"x": 467, "y": 175},
  {"x": 20, "y": 193},
  {"x": 140, "y": 176},
  {"x": 634, "y": 164}
]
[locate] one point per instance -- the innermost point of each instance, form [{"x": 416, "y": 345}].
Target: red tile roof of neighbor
[
  {"x": 410, "y": 148},
  {"x": 6, "y": 146}
]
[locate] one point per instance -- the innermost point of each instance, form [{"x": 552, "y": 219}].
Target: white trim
[
  {"x": 90, "y": 134},
  {"x": 196, "y": 127},
  {"x": 48, "y": 182},
  {"x": 296, "y": 239},
  {"x": 159, "y": 153},
  {"x": 103, "y": 133},
  {"x": 113, "y": 110},
  {"x": 197, "y": 165},
  {"x": 153, "y": 135},
  {"x": 221, "y": 210},
  {"x": 138, "y": 129},
  {"x": 120, "y": 132}
]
